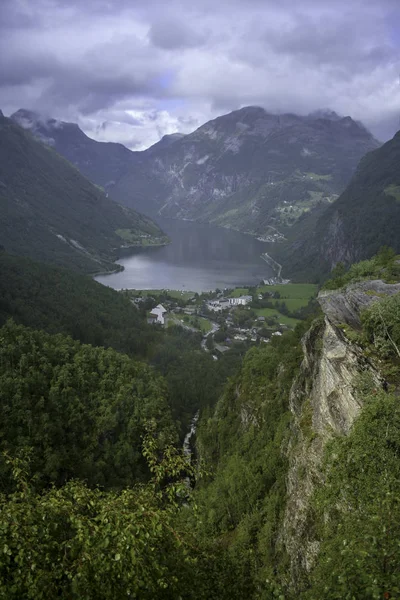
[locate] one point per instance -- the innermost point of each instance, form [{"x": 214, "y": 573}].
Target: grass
[
  {"x": 292, "y": 303},
  {"x": 270, "y": 312},
  {"x": 239, "y": 292},
  {"x": 317, "y": 177},
  {"x": 205, "y": 325},
  {"x": 300, "y": 291},
  {"x": 295, "y": 296},
  {"x": 196, "y": 322}
]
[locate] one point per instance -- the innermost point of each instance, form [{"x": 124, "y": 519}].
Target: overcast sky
[{"x": 134, "y": 70}]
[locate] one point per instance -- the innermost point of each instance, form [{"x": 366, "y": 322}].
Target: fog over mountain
[{"x": 134, "y": 72}]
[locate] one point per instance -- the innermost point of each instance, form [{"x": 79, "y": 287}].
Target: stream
[{"x": 186, "y": 442}]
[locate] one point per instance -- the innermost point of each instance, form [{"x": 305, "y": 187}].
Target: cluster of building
[{"x": 220, "y": 304}]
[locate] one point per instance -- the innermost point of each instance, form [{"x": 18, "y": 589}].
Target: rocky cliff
[
  {"x": 324, "y": 403},
  {"x": 365, "y": 217}
]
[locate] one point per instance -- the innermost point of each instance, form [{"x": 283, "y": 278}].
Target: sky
[{"x": 132, "y": 71}]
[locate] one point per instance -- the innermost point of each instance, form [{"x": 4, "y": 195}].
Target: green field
[
  {"x": 196, "y": 322},
  {"x": 299, "y": 291},
  {"x": 270, "y": 312},
  {"x": 302, "y": 291},
  {"x": 295, "y": 296},
  {"x": 239, "y": 292}
]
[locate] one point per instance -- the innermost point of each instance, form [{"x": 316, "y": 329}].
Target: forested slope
[
  {"x": 77, "y": 410},
  {"x": 50, "y": 212},
  {"x": 365, "y": 217},
  {"x": 60, "y": 301},
  {"x": 297, "y": 479}
]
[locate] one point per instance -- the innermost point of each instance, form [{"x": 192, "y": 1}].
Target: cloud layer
[{"x": 134, "y": 71}]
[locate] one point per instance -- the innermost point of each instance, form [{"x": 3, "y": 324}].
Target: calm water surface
[{"x": 199, "y": 258}]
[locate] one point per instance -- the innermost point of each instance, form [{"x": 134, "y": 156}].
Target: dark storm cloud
[
  {"x": 148, "y": 67},
  {"x": 171, "y": 34}
]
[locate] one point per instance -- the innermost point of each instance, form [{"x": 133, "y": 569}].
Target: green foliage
[
  {"x": 80, "y": 543},
  {"x": 75, "y": 542},
  {"x": 381, "y": 326},
  {"x": 60, "y": 301},
  {"x": 50, "y": 212},
  {"x": 365, "y": 217},
  {"x": 358, "y": 508},
  {"x": 193, "y": 378},
  {"x": 81, "y": 410},
  {"x": 381, "y": 266},
  {"x": 244, "y": 441}
]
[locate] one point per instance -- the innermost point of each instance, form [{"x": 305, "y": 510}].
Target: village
[{"x": 230, "y": 317}]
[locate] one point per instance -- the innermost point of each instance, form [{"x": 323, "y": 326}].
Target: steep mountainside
[
  {"x": 103, "y": 163},
  {"x": 364, "y": 218},
  {"x": 249, "y": 170},
  {"x": 303, "y": 448},
  {"x": 60, "y": 301},
  {"x": 50, "y": 212}
]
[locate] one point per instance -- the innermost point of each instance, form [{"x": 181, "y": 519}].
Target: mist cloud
[{"x": 133, "y": 71}]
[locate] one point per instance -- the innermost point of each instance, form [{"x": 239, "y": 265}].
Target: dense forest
[{"x": 95, "y": 500}]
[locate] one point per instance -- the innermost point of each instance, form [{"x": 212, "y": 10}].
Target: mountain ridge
[
  {"x": 249, "y": 169},
  {"x": 365, "y": 217},
  {"x": 102, "y": 162}
]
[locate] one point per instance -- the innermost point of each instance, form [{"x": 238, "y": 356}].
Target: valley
[{"x": 282, "y": 393}]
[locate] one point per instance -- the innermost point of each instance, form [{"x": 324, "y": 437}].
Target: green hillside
[
  {"x": 365, "y": 217},
  {"x": 59, "y": 301},
  {"x": 51, "y": 213}
]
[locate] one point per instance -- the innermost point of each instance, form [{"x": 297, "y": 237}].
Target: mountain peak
[
  {"x": 325, "y": 113},
  {"x": 101, "y": 162}
]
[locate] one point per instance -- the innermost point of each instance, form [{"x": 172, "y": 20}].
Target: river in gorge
[{"x": 199, "y": 258}]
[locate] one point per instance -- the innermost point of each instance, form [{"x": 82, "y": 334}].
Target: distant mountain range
[
  {"x": 280, "y": 177},
  {"x": 249, "y": 170},
  {"x": 102, "y": 163},
  {"x": 51, "y": 213}
]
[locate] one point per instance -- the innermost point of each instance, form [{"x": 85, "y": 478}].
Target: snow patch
[{"x": 202, "y": 160}]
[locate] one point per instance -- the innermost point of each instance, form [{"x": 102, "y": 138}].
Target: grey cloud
[
  {"x": 147, "y": 68},
  {"x": 171, "y": 34}
]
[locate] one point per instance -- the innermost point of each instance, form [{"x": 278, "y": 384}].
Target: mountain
[
  {"x": 248, "y": 170},
  {"x": 365, "y": 217},
  {"x": 50, "y": 212},
  {"x": 165, "y": 142},
  {"x": 103, "y": 163}
]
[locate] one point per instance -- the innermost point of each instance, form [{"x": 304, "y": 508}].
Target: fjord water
[{"x": 199, "y": 258}]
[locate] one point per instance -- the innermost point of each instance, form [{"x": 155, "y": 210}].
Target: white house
[
  {"x": 243, "y": 300},
  {"x": 157, "y": 314}
]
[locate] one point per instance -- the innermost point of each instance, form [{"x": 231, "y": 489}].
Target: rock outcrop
[{"x": 325, "y": 403}]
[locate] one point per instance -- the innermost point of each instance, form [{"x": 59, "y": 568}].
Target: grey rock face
[
  {"x": 345, "y": 306},
  {"x": 324, "y": 402}
]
